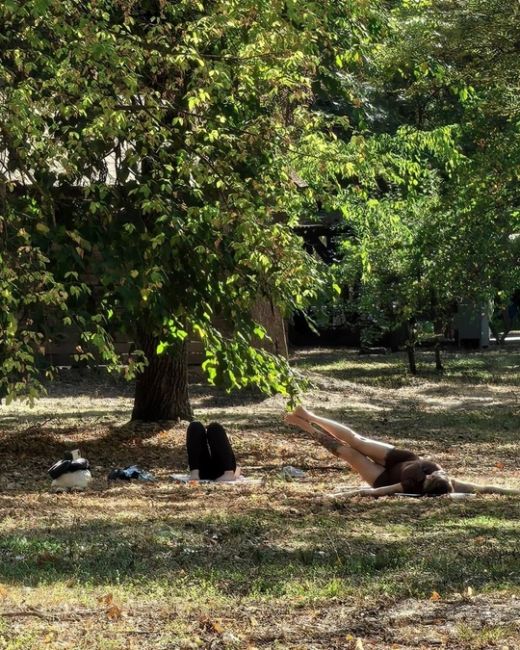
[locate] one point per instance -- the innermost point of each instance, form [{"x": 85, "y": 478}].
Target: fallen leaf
[
  {"x": 499, "y": 465},
  {"x": 114, "y": 612},
  {"x": 359, "y": 645},
  {"x": 3, "y": 591},
  {"x": 107, "y": 599},
  {"x": 216, "y": 627},
  {"x": 469, "y": 591},
  {"x": 435, "y": 596}
]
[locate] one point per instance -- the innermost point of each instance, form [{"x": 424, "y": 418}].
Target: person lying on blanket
[
  {"x": 210, "y": 455},
  {"x": 388, "y": 469}
]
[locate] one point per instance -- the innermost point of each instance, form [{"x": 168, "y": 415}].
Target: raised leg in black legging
[
  {"x": 222, "y": 455},
  {"x": 199, "y": 457}
]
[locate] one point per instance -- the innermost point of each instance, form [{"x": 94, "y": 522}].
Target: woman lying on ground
[
  {"x": 210, "y": 455},
  {"x": 386, "y": 468}
]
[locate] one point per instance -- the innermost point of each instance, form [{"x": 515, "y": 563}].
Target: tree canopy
[
  {"x": 150, "y": 155},
  {"x": 147, "y": 178},
  {"x": 440, "y": 102}
]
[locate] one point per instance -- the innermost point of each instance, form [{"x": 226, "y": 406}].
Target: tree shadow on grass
[
  {"x": 95, "y": 401},
  {"x": 84, "y": 416},
  {"x": 95, "y": 382},
  {"x": 237, "y": 554},
  {"x": 26, "y": 456},
  {"x": 30, "y": 454},
  {"x": 448, "y": 436}
]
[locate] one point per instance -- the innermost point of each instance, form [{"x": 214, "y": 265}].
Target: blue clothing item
[{"x": 129, "y": 473}]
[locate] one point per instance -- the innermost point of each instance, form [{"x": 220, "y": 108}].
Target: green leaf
[{"x": 161, "y": 348}]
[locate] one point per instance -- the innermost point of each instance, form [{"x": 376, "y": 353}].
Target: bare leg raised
[
  {"x": 365, "y": 467},
  {"x": 331, "y": 443},
  {"x": 374, "y": 449}
]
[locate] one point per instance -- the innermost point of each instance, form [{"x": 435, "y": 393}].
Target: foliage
[
  {"x": 459, "y": 65},
  {"x": 147, "y": 170},
  {"x": 436, "y": 218},
  {"x": 151, "y": 154}
]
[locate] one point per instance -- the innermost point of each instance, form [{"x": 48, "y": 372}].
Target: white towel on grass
[{"x": 240, "y": 480}]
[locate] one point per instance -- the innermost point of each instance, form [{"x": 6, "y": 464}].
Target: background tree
[
  {"x": 437, "y": 227},
  {"x": 459, "y": 65}
]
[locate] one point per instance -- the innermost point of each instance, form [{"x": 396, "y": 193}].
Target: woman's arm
[
  {"x": 387, "y": 490},
  {"x": 464, "y": 486},
  {"x": 371, "y": 492}
]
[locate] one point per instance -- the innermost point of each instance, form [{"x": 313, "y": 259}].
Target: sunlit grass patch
[
  {"x": 494, "y": 366},
  {"x": 488, "y": 636}
]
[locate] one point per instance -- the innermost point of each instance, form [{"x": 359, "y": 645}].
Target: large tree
[{"x": 147, "y": 181}]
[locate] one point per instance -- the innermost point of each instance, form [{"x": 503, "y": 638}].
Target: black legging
[{"x": 209, "y": 450}]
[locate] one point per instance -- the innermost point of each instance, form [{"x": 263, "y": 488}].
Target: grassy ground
[{"x": 165, "y": 566}]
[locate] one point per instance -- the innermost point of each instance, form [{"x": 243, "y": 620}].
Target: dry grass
[{"x": 272, "y": 566}]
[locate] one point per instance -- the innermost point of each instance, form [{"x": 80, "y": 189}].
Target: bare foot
[
  {"x": 303, "y": 413},
  {"x": 226, "y": 477},
  {"x": 294, "y": 420}
]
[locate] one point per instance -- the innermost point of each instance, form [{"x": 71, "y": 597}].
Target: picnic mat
[
  {"x": 351, "y": 491},
  {"x": 241, "y": 480}
]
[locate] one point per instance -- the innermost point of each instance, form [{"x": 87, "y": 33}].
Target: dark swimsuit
[{"x": 405, "y": 467}]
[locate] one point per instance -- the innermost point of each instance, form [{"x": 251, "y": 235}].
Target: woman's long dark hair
[{"x": 437, "y": 485}]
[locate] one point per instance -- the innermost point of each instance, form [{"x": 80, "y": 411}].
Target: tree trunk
[
  {"x": 438, "y": 360},
  {"x": 266, "y": 314},
  {"x": 410, "y": 345},
  {"x": 410, "y": 349},
  {"x": 161, "y": 391}
]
